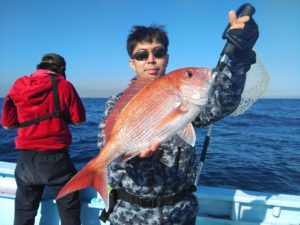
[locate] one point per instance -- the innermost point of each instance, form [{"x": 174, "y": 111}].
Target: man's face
[{"x": 151, "y": 60}]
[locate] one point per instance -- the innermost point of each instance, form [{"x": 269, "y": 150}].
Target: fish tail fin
[
  {"x": 90, "y": 175},
  {"x": 83, "y": 179},
  {"x": 100, "y": 184}
]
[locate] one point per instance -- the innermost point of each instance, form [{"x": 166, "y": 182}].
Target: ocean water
[{"x": 258, "y": 150}]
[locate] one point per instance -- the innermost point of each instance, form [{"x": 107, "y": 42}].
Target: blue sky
[{"x": 91, "y": 35}]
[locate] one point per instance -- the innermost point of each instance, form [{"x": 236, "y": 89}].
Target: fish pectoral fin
[
  {"x": 188, "y": 134},
  {"x": 177, "y": 112},
  {"x": 183, "y": 108}
]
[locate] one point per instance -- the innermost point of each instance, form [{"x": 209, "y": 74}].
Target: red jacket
[{"x": 32, "y": 97}]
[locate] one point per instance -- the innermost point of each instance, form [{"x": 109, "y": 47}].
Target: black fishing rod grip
[{"x": 204, "y": 150}]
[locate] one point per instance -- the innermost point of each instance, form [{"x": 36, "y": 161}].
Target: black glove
[{"x": 243, "y": 40}]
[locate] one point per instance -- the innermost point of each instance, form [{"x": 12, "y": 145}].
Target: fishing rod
[{"x": 228, "y": 50}]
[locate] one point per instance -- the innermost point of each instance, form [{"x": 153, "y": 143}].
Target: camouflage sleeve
[
  {"x": 110, "y": 104},
  {"x": 227, "y": 91}
]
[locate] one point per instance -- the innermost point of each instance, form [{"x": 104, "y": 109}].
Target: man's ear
[
  {"x": 167, "y": 61},
  {"x": 131, "y": 64}
]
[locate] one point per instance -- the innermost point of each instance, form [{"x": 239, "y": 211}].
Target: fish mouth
[{"x": 204, "y": 73}]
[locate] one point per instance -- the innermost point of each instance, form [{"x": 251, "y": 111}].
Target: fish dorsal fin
[
  {"x": 188, "y": 134},
  {"x": 137, "y": 84}
]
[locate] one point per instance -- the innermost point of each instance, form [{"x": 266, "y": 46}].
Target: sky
[{"x": 91, "y": 35}]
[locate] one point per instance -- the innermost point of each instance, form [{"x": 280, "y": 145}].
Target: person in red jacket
[{"x": 42, "y": 106}]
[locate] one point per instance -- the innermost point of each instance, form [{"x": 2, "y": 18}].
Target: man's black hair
[
  {"x": 53, "y": 62},
  {"x": 52, "y": 67},
  {"x": 149, "y": 34}
]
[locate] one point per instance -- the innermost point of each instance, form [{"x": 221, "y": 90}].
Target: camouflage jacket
[{"x": 173, "y": 170}]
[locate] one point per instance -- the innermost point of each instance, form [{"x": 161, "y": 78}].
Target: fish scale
[{"x": 143, "y": 122}]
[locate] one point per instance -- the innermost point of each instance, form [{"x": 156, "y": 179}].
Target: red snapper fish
[{"x": 163, "y": 108}]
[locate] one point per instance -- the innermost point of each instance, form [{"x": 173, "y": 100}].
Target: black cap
[{"x": 53, "y": 58}]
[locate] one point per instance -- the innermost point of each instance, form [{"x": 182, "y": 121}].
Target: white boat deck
[{"x": 218, "y": 206}]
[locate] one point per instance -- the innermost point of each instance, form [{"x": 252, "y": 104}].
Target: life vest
[{"x": 57, "y": 110}]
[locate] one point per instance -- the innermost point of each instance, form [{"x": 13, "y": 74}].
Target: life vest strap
[{"x": 57, "y": 110}]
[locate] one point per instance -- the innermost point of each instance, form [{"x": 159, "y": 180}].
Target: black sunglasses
[{"x": 144, "y": 54}]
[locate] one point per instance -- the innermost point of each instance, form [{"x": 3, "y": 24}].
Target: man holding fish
[{"x": 146, "y": 137}]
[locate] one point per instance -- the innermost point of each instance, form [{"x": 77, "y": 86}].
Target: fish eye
[{"x": 188, "y": 74}]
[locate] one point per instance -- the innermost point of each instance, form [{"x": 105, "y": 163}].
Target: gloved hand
[{"x": 243, "y": 33}]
